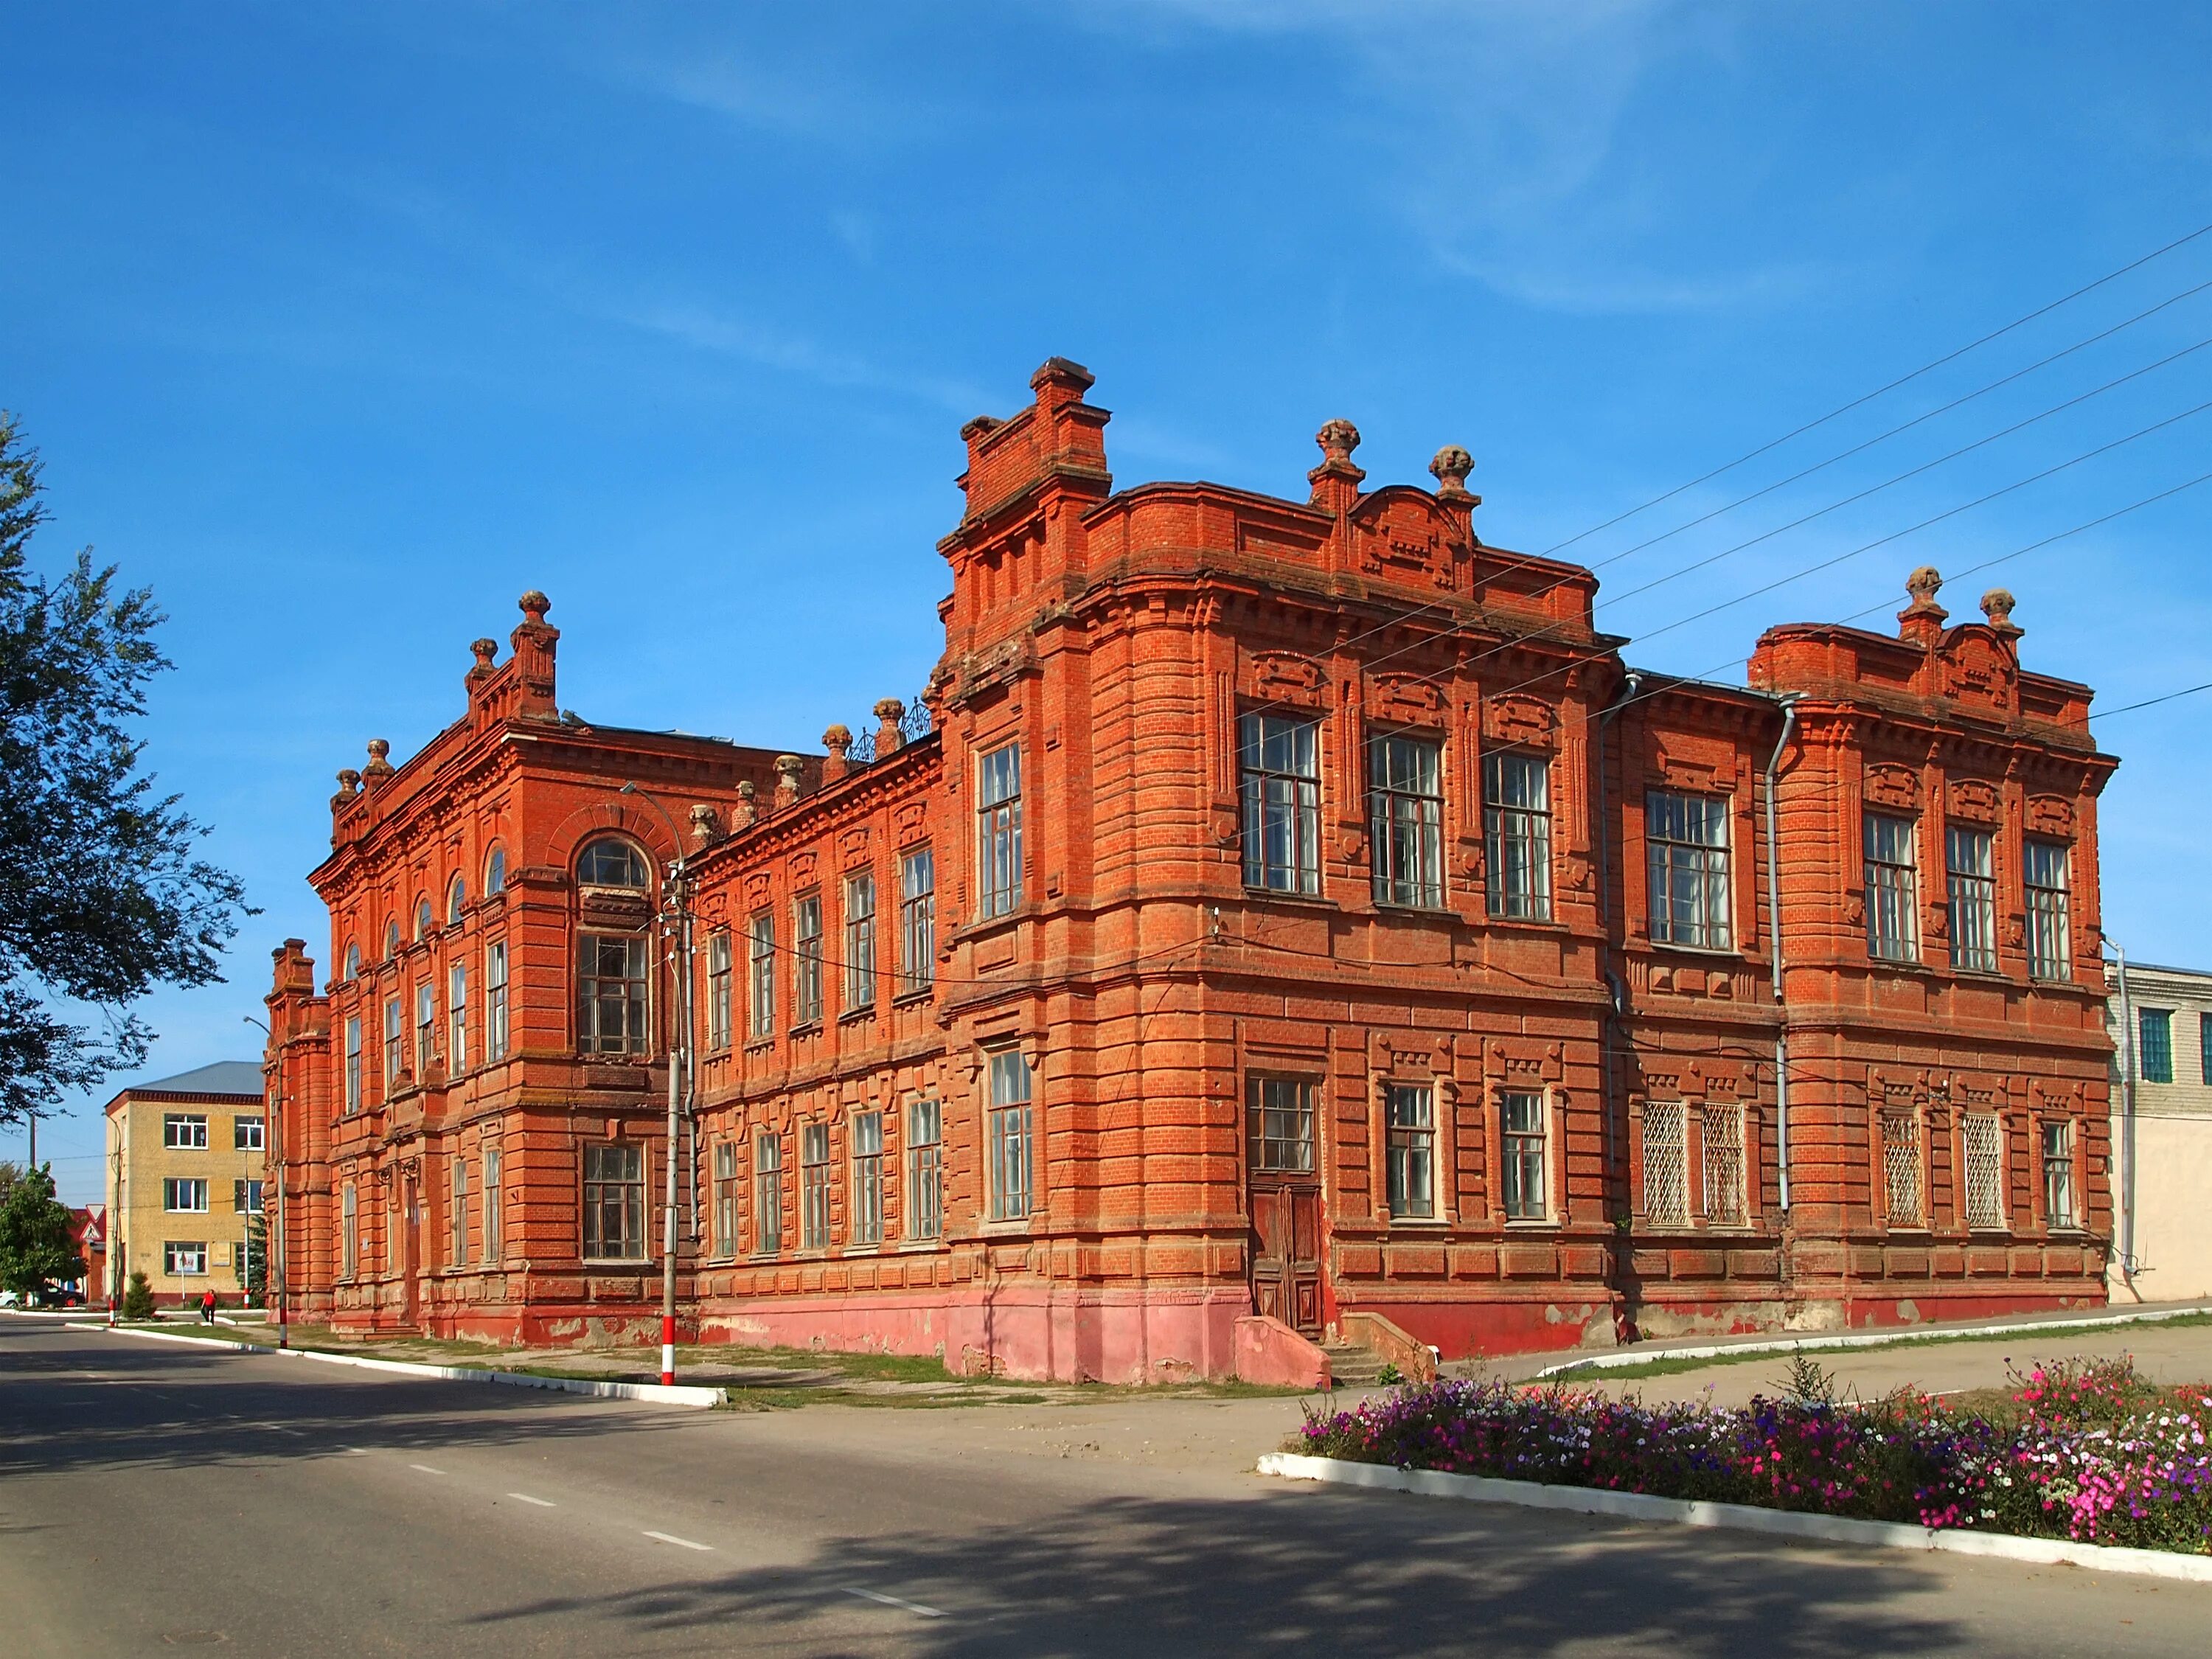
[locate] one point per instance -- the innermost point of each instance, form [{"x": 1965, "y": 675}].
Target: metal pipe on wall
[{"x": 1774, "y": 945}]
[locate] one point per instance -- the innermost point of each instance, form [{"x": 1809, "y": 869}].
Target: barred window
[
  {"x": 1516, "y": 826},
  {"x": 925, "y": 1179},
  {"x": 495, "y": 1000},
  {"x": 1410, "y": 1150},
  {"x": 460, "y": 1215},
  {"x": 1985, "y": 1171},
  {"x": 2155, "y": 1050},
  {"x": 1278, "y": 764},
  {"x": 614, "y": 1201},
  {"x": 917, "y": 920},
  {"x": 610, "y": 994},
  {"x": 457, "y": 1017},
  {"x": 718, "y": 989},
  {"x": 760, "y": 951},
  {"x": 1688, "y": 839},
  {"x": 1666, "y": 1173},
  {"x": 807, "y": 944},
  {"x": 1405, "y": 809},
  {"x": 1970, "y": 862},
  {"x": 726, "y": 1197},
  {"x": 768, "y": 1194},
  {"x": 814, "y": 1187},
  {"x": 868, "y": 1219},
  {"x": 1725, "y": 1168},
  {"x": 1521, "y": 1160},
  {"x": 353, "y": 1063},
  {"x": 1009, "y": 1137},
  {"x": 1900, "y": 1169},
  {"x": 860, "y": 941},
  {"x": 1282, "y": 1125},
  {"x": 998, "y": 830},
  {"x": 2050, "y": 948},
  {"x": 2058, "y": 1175},
  {"x": 1893, "y": 889},
  {"x": 493, "y": 1245}
]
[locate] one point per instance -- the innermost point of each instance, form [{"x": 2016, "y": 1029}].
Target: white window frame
[
  {"x": 185, "y": 1131},
  {"x": 1724, "y": 1162},
  {"x": 1409, "y": 1150},
  {"x": 917, "y": 920},
  {"x": 768, "y": 1193},
  {"x": 1691, "y": 899},
  {"x": 496, "y": 1031},
  {"x": 1517, "y": 833},
  {"x": 458, "y": 1221},
  {"x": 760, "y": 983},
  {"x": 859, "y": 940},
  {"x": 2050, "y": 930},
  {"x": 729, "y": 1200},
  {"x": 1279, "y": 782},
  {"x": 925, "y": 1162},
  {"x": 1981, "y": 1136},
  {"x": 350, "y": 1234},
  {"x": 1970, "y": 877},
  {"x": 865, "y": 1211},
  {"x": 719, "y": 977},
  {"x": 806, "y": 1001},
  {"x": 1890, "y": 868},
  {"x": 249, "y": 1132},
  {"x": 1524, "y": 1169},
  {"x": 998, "y": 830},
  {"x": 183, "y": 1259},
  {"x": 1009, "y": 1138},
  {"x": 494, "y": 1240},
  {"x": 1667, "y": 1162},
  {"x": 184, "y": 1195},
  {"x": 457, "y": 1017},
  {"x": 2060, "y": 1211}
]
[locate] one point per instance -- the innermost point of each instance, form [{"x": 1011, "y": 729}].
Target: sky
[{"x": 339, "y": 326}]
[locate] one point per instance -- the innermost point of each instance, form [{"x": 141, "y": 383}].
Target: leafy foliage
[
  {"x": 36, "y": 1250},
  {"x": 102, "y": 892},
  {"x": 139, "y": 1296}
]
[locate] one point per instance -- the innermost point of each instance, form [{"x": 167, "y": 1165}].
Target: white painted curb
[
  {"x": 653, "y": 1392},
  {"x": 1896, "y": 1333},
  {"x": 1741, "y": 1517}
]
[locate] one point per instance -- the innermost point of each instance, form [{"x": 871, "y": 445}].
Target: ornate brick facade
[{"x": 1321, "y": 918}]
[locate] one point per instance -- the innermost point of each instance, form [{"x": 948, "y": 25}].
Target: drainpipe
[
  {"x": 2123, "y": 1191},
  {"x": 1616, "y": 993},
  {"x": 1774, "y": 927}
]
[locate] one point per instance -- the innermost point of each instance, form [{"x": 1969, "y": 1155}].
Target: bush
[{"x": 138, "y": 1297}]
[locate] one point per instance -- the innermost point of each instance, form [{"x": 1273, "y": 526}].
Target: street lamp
[{"x": 676, "y": 924}]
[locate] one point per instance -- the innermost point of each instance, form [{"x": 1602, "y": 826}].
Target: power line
[{"x": 2151, "y": 702}]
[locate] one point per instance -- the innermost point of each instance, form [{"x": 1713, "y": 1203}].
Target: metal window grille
[
  {"x": 1279, "y": 765},
  {"x": 718, "y": 988},
  {"x": 760, "y": 948},
  {"x": 1516, "y": 826},
  {"x": 768, "y": 1194},
  {"x": 1522, "y": 1116},
  {"x": 806, "y": 948},
  {"x": 814, "y": 1187},
  {"x": 727, "y": 1198},
  {"x": 495, "y": 1002},
  {"x": 1405, "y": 808},
  {"x": 917, "y": 920},
  {"x": 1666, "y": 1165},
  {"x": 2058, "y": 1175},
  {"x": 860, "y": 941},
  {"x": 1410, "y": 1150},
  {"x": 1724, "y": 1171},
  {"x": 614, "y": 1202},
  {"x": 998, "y": 830},
  {"x": 1687, "y": 841},
  {"x": 1970, "y": 866},
  {"x": 610, "y": 994},
  {"x": 1011, "y": 1154},
  {"x": 350, "y": 1238},
  {"x": 1900, "y": 1169},
  {"x": 867, "y": 1222},
  {"x": 2155, "y": 1050},
  {"x": 247, "y": 1135},
  {"x": 2049, "y": 947},
  {"x": 353, "y": 1064},
  {"x": 1282, "y": 1125},
  {"x": 1892, "y": 914},
  {"x": 185, "y": 1130},
  {"x": 925, "y": 1184},
  {"x": 493, "y": 1244},
  {"x": 1985, "y": 1171},
  {"x": 460, "y": 1216}
]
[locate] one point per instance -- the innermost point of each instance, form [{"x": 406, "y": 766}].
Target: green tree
[
  {"x": 139, "y": 1296},
  {"x": 254, "y": 1279},
  {"x": 102, "y": 893},
  {"x": 36, "y": 1250}
]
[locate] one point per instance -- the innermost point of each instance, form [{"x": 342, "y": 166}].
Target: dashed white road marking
[
  {"x": 542, "y": 1503},
  {"x": 671, "y": 1538},
  {"x": 893, "y": 1601},
  {"x": 425, "y": 1468}
]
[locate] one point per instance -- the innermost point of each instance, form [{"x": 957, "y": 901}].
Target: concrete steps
[{"x": 1351, "y": 1367}]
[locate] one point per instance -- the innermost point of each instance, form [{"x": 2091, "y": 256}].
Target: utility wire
[{"x": 2152, "y": 702}]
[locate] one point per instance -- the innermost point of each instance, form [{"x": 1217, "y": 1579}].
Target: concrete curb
[
  {"x": 1870, "y": 1339},
  {"x": 651, "y": 1393},
  {"x": 1741, "y": 1517}
]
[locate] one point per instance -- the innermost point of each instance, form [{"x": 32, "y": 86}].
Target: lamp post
[{"x": 675, "y": 926}]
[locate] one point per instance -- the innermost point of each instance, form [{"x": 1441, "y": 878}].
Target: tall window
[
  {"x": 614, "y": 1201},
  {"x": 1281, "y": 1120},
  {"x": 768, "y": 1194},
  {"x": 460, "y": 1215},
  {"x": 998, "y": 830},
  {"x": 1410, "y": 1149},
  {"x": 1522, "y": 1156},
  {"x": 924, "y": 1166},
  {"x": 390, "y": 938},
  {"x": 494, "y": 1246},
  {"x": 806, "y": 980},
  {"x": 426, "y": 922},
  {"x": 457, "y": 896},
  {"x": 1724, "y": 1169},
  {"x": 814, "y": 1187},
  {"x": 2204, "y": 1046},
  {"x": 495, "y": 1000},
  {"x": 350, "y": 1238},
  {"x": 2058, "y": 1175},
  {"x": 1688, "y": 839},
  {"x": 1406, "y": 814},
  {"x": 248, "y": 1134},
  {"x": 860, "y": 941},
  {"x": 2049, "y": 947},
  {"x": 1278, "y": 761},
  {"x": 1009, "y": 1137},
  {"x": 1969, "y": 863},
  {"x": 426, "y": 1027},
  {"x": 610, "y": 994},
  {"x": 1666, "y": 1155},
  {"x": 395, "y": 1043},
  {"x": 1893, "y": 889},
  {"x": 760, "y": 946},
  {"x": 2155, "y": 1049},
  {"x": 1516, "y": 828},
  {"x": 867, "y": 1218},
  {"x": 1985, "y": 1170},
  {"x": 353, "y": 1063},
  {"x": 184, "y": 1196},
  {"x": 457, "y": 1017},
  {"x": 184, "y": 1130},
  {"x": 611, "y": 862},
  {"x": 917, "y": 920},
  {"x": 1900, "y": 1168},
  {"x": 496, "y": 872},
  {"x": 353, "y": 961},
  {"x": 726, "y": 1197},
  {"x": 718, "y": 988}
]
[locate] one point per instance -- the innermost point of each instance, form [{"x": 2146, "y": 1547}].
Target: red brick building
[{"x": 1277, "y": 907}]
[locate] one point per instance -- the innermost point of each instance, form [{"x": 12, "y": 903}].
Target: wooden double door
[{"x": 1287, "y": 1250}]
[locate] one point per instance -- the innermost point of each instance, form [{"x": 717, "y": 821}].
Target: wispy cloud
[{"x": 773, "y": 348}]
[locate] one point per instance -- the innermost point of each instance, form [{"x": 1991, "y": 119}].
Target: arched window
[
  {"x": 495, "y": 873},
  {"x": 457, "y": 896},
  {"x": 392, "y": 938},
  {"x": 425, "y": 919},
  {"x": 353, "y": 961},
  {"x": 608, "y": 862}
]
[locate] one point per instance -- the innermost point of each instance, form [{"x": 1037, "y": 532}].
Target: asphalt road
[{"x": 155, "y": 1496}]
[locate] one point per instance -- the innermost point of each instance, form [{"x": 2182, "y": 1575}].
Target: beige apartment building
[
  {"x": 2161, "y": 1024},
  {"x": 184, "y": 1162}
]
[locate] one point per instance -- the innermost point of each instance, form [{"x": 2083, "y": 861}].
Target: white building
[{"x": 2161, "y": 1025}]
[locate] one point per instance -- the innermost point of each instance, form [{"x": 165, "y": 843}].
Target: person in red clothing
[{"x": 207, "y": 1307}]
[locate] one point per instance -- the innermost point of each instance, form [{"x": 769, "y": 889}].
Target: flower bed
[{"x": 2089, "y": 1452}]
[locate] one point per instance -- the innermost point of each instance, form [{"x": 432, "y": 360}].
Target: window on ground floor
[{"x": 1666, "y": 1173}]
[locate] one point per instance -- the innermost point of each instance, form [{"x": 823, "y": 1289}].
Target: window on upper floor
[
  {"x": 2204, "y": 1046},
  {"x": 352, "y": 961},
  {"x": 495, "y": 1029},
  {"x": 185, "y": 1130},
  {"x": 1970, "y": 870},
  {"x": 998, "y": 830},
  {"x": 392, "y": 938},
  {"x": 610, "y": 861},
  {"x": 917, "y": 920},
  {"x": 2050, "y": 943},
  {"x": 1278, "y": 767},
  {"x": 2154, "y": 1044},
  {"x": 249, "y": 1133},
  {"x": 2058, "y": 1174},
  {"x": 1405, "y": 819},
  {"x": 395, "y": 1043},
  {"x": 1687, "y": 841},
  {"x": 426, "y": 921},
  {"x": 496, "y": 872},
  {"x": 457, "y": 1017},
  {"x": 188, "y": 1196},
  {"x": 426, "y": 1027},
  {"x": 760, "y": 967},
  {"x": 1892, "y": 888},
  {"x": 860, "y": 941},
  {"x": 457, "y": 898},
  {"x": 718, "y": 989},
  {"x": 806, "y": 946},
  {"x": 353, "y": 1064},
  {"x": 610, "y": 994},
  {"x": 1516, "y": 825}
]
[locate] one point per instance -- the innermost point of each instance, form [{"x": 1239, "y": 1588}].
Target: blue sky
[{"x": 341, "y": 325}]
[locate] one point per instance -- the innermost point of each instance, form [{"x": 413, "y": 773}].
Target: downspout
[
  {"x": 1616, "y": 993},
  {"x": 1774, "y": 928},
  {"x": 2124, "y": 1188}
]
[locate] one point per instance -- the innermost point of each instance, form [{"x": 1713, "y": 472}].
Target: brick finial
[
  {"x": 534, "y": 640},
  {"x": 1923, "y": 620},
  {"x": 349, "y": 789},
  {"x": 787, "y": 769},
  {"x": 891, "y": 729},
  {"x": 1450, "y": 467},
  {"x": 1996, "y": 606},
  {"x": 838, "y": 740},
  {"x": 705, "y": 823},
  {"x": 379, "y": 767},
  {"x": 1336, "y": 481},
  {"x": 748, "y": 809}
]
